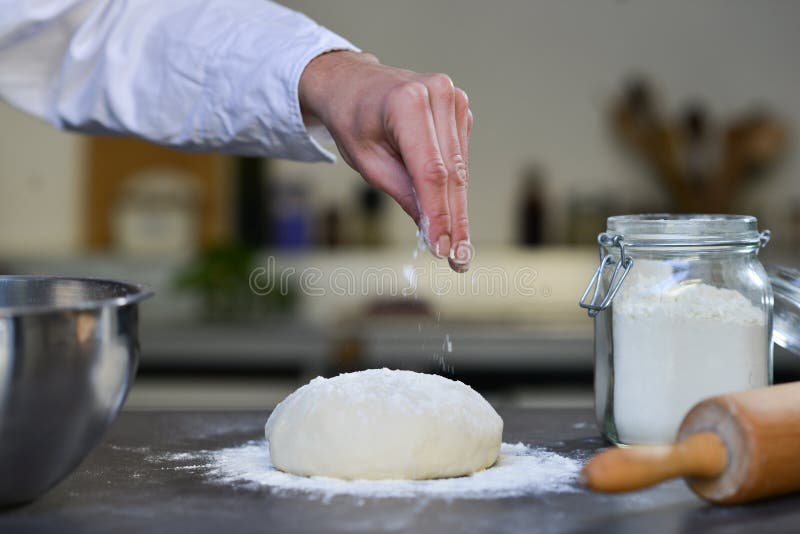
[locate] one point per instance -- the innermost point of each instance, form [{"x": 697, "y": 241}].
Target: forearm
[{"x": 197, "y": 74}]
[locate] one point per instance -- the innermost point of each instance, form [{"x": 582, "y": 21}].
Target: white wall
[
  {"x": 538, "y": 75},
  {"x": 41, "y": 187}
]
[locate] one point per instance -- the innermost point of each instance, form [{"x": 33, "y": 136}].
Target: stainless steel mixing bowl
[{"x": 69, "y": 348}]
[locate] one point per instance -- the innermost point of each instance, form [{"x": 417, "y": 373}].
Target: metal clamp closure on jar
[
  {"x": 621, "y": 270},
  {"x": 622, "y": 267}
]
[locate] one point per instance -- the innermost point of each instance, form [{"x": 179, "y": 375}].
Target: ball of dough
[{"x": 384, "y": 424}]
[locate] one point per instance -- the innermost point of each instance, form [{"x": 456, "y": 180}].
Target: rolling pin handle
[{"x": 702, "y": 455}]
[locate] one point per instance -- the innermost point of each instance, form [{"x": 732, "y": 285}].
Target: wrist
[{"x": 321, "y": 77}]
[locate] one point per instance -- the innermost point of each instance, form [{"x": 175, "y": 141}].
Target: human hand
[{"x": 405, "y": 133}]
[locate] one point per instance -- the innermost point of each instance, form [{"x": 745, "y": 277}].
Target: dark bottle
[
  {"x": 330, "y": 231},
  {"x": 371, "y": 204},
  {"x": 531, "y": 208},
  {"x": 252, "y": 202}
]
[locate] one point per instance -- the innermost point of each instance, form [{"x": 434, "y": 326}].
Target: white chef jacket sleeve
[{"x": 205, "y": 75}]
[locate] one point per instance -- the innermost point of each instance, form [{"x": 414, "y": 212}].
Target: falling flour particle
[
  {"x": 421, "y": 245},
  {"x": 410, "y": 274},
  {"x": 424, "y": 235},
  {"x": 447, "y": 346},
  {"x": 520, "y": 470},
  {"x": 440, "y": 359}
]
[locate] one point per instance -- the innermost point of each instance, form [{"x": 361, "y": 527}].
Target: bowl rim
[{"x": 136, "y": 293}]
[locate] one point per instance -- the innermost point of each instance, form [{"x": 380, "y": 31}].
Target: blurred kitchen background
[{"x": 582, "y": 110}]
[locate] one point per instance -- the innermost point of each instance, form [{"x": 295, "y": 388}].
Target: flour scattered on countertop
[{"x": 520, "y": 470}]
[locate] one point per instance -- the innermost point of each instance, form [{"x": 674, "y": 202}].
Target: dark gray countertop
[{"x": 119, "y": 488}]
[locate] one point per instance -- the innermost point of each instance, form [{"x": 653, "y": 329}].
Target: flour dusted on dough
[{"x": 384, "y": 424}]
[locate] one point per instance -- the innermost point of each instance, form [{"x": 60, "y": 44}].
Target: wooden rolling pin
[{"x": 731, "y": 449}]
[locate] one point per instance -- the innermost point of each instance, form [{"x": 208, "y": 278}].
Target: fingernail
[
  {"x": 443, "y": 246},
  {"x": 463, "y": 253}
]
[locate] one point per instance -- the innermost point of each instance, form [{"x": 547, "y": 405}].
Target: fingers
[
  {"x": 451, "y": 115},
  {"x": 410, "y": 121},
  {"x": 442, "y": 96},
  {"x": 457, "y": 188}
]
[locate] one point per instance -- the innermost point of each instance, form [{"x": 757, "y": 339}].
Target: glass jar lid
[
  {"x": 786, "y": 312},
  {"x": 652, "y": 229},
  {"x": 667, "y": 230}
]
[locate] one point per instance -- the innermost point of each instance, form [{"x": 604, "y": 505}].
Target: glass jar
[{"x": 683, "y": 311}]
